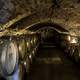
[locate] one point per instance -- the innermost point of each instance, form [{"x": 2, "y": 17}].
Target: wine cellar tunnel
[
  {"x": 42, "y": 53},
  {"x": 51, "y": 61},
  {"x": 40, "y": 39}
]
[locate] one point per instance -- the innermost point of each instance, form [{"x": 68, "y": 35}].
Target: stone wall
[
  {"x": 11, "y": 8},
  {"x": 67, "y": 12}
]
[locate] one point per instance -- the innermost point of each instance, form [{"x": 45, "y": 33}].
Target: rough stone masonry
[{"x": 63, "y": 12}]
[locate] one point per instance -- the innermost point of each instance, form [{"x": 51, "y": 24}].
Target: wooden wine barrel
[
  {"x": 22, "y": 48},
  {"x": 77, "y": 54},
  {"x": 9, "y": 58}
]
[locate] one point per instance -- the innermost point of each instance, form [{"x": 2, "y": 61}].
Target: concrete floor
[{"x": 51, "y": 63}]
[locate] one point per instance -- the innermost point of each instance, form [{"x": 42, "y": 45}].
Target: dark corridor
[
  {"x": 40, "y": 39},
  {"x": 51, "y": 63}
]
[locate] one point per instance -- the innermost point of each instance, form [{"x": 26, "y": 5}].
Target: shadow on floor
[{"x": 51, "y": 63}]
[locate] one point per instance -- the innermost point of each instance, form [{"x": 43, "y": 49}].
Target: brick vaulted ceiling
[{"x": 64, "y": 12}]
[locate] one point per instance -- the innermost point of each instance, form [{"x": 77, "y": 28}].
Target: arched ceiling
[{"x": 67, "y": 14}]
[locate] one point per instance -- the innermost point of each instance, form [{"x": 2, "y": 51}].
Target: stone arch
[{"x": 35, "y": 20}]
